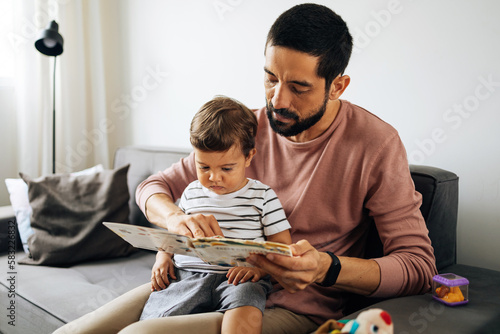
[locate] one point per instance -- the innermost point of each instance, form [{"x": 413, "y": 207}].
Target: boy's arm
[
  {"x": 162, "y": 269},
  {"x": 284, "y": 237},
  {"x": 237, "y": 275}
]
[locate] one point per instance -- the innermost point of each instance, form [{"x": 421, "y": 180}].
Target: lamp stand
[
  {"x": 50, "y": 43},
  {"x": 54, "y": 119}
]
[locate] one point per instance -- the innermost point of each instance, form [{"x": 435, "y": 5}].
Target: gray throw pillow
[{"x": 68, "y": 212}]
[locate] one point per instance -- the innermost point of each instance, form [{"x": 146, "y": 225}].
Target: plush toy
[{"x": 372, "y": 321}]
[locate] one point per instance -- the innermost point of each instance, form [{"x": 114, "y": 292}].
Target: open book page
[
  {"x": 213, "y": 250},
  {"x": 153, "y": 238},
  {"x": 233, "y": 252}
]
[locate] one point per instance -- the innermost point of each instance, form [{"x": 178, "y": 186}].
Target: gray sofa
[{"x": 39, "y": 299}]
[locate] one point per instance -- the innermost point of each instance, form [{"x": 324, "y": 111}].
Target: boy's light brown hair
[{"x": 222, "y": 122}]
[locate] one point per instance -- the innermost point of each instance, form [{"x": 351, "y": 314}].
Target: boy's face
[{"x": 222, "y": 172}]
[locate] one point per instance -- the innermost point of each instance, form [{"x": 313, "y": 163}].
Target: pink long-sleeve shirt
[{"x": 331, "y": 188}]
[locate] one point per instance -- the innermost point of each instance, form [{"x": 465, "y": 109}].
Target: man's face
[{"x": 296, "y": 98}]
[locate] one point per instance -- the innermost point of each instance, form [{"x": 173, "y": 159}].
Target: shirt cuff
[{"x": 391, "y": 277}]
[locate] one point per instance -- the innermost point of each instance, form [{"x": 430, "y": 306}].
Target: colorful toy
[
  {"x": 450, "y": 289},
  {"x": 372, "y": 321}
]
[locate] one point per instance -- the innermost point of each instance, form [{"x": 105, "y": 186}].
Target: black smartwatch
[{"x": 333, "y": 272}]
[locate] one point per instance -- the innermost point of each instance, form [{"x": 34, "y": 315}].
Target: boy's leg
[
  {"x": 244, "y": 319},
  {"x": 113, "y": 316},
  {"x": 201, "y": 323}
]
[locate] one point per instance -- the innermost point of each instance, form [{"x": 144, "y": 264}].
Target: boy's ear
[{"x": 250, "y": 156}]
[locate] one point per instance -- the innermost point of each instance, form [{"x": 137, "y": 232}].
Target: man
[{"x": 334, "y": 166}]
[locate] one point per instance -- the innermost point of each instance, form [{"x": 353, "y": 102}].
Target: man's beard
[{"x": 299, "y": 126}]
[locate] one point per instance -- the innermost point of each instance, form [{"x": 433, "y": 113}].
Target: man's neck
[{"x": 319, "y": 128}]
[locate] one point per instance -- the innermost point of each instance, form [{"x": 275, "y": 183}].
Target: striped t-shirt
[{"x": 250, "y": 213}]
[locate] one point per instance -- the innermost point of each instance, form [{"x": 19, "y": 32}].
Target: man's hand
[
  {"x": 295, "y": 273},
  {"x": 361, "y": 276},
  {"x": 162, "y": 269},
  {"x": 194, "y": 226},
  {"x": 162, "y": 211},
  {"x": 237, "y": 275}
]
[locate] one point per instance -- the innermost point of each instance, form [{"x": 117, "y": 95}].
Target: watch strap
[{"x": 333, "y": 272}]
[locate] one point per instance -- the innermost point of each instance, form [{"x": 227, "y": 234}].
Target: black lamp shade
[{"x": 50, "y": 42}]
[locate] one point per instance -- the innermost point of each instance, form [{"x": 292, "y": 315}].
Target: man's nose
[{"x": 281, "y": 97}]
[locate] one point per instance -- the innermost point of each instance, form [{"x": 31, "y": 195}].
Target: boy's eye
[
  {"x": 203, "y": 167},
  {"x": 227, "y": 169}
]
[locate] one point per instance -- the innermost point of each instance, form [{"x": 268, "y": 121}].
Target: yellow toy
[{"x": 450, "y": 289}]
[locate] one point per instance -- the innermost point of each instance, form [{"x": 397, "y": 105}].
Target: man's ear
[
  {"x": 250, "y": 156},
  {"x": 338, "y": 86}
]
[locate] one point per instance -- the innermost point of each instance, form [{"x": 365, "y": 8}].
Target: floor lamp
[{"x": 50, "y": 43}]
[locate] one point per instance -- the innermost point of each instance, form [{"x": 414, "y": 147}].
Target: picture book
[{"x": 213, "y": 250}]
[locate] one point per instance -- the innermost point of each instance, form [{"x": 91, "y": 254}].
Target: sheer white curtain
[
  {"x": 81, "y": 104},
  {"x": 32, "y": 93}
]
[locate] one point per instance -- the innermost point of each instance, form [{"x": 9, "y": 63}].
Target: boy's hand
[
  {"x": 162, "y": 268},
  {"x": 237, "y": 275}
]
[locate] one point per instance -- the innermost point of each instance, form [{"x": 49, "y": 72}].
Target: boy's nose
[{"x": 214, "y": 177}]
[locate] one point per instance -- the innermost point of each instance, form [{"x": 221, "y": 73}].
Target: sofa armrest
[
  {"x": 439, "y": 189},
  {"x": 8, "y": 230}
]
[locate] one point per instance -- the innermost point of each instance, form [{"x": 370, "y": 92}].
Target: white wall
[{"x": 423, "y": 66}]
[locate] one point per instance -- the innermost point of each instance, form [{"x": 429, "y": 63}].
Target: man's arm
[
  {"x": 309, "y": 266},
  {"x": 358, "y": 275},
  {"x": 162, "y": 211},
  {"x": 154, "y": 196},
  {"x": 408, "y": 266}
]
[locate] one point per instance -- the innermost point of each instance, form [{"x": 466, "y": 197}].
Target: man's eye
[
  {"x": 271, "y": 81},
  {"x": 298, "y": 91}
]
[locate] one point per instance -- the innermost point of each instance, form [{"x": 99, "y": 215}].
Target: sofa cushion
[
  {"x": 423, "y": 314},
  {"x": 68, "y": 212},
  {"x": 145, "y": 161},
  {"x": 18, "y": 191},
  {"x": 48, "y": 297}
]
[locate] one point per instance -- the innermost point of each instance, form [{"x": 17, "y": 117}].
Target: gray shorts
[{"x": 195, "y": 292}]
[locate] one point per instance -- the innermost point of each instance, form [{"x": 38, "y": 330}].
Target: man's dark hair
[{"x": 318, "y": 31}]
